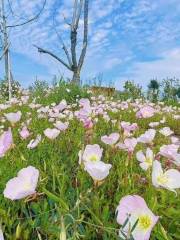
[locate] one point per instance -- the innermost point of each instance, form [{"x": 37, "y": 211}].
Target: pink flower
[
  {"x": 171, "y": 152},
  {"x": 6, "y": 142},
  {"x": 24, "y": 133},
  {"x": 111, "y": 139},
  {"x": 61, "y": 126},
  {"x": 87, "y": 123},
  {"x": 23, "y": 185},
  {"x": 145, "y": 112},
  {"x": 134, "y": 208},
  {"x": 51, "y": 133},
  {"x": 128, "y": 128},
  {"x": 128, "y": 145},
  {"x": 13, "y": 117},
  {"x": 84, "y": 102},
  {"x": 61, "y": 106},
  {"x": 147, "y": 137}
]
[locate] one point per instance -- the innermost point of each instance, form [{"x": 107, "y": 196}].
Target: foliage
[
  {"x": 130, "y": 91},
  {"x": 170, "y": 89}
]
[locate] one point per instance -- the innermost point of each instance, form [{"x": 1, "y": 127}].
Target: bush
[{"x": 4, "y": 89}]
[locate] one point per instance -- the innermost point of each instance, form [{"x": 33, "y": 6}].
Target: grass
[{"x": 70, "y": 202}]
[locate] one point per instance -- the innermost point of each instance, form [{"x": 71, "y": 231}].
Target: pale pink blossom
[
  {"x": 24, "y": 133},
  {"x": 175, "y": 140},
  {"x": 34, "y": 142},
  {"x": 98, "y": 170},
  {"x": 61, "y": 106},
  {"x": 111, "y": 139},
  {"x": 91, "y": 153},
  {"x": 145, "y": 112},
  {"x": 146, "y": 160},
  {"x": 166, "y": 131},
  {"x": 128, "y": 145},
  {"x": 13, "y": 117},
  {"x": 6, "y": 142},
  {"x": 61, "y": 126},
  {"x": 1, "y": 235},
  {"x": 169, "y": 179},
  {"x": 134, "y": 208},
  {"x": 128, "y": 128},
  {"x": 154, "y": 124},
  {"x": 51, "y": 133},
  {"x": 23, "y": 185},
  {"x": 171, "y": 152},
  {"x": 147, "y": 137}
]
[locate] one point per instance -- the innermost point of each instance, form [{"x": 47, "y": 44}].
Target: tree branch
[
  {"x": 63, "y": 44},
  {"x": 85, "y": 40},
  {"x": 79, "y": 13},
  {"x": 30, "y": 20},
  {"x": 41, "y": 50},
  {"x": 74, "y": 14}
]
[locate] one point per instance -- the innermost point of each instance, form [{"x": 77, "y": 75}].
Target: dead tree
[
  {"x": 73, "y": 64},
  {"x": 4, "y": 36}
]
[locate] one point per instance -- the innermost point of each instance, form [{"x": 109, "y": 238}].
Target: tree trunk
[{"x": 76, "y": 78}]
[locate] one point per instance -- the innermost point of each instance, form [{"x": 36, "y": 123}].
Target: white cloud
[{"x": 168, "y": 65}]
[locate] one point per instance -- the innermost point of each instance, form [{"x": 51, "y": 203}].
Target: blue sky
[{"x": 128, "y": 40}]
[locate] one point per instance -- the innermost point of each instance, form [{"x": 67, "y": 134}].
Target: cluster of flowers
[{"x": 132, "y": 207}]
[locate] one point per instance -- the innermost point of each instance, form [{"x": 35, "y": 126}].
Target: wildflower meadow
[{"x": 78, "y": 165}]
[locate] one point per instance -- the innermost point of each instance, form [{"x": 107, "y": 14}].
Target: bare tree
[
  {"x": 4, "y": 35},
  {"x": 73, "y": 64}
]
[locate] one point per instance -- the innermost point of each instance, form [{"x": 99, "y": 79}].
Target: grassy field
[{"x": 71, "y": 206}]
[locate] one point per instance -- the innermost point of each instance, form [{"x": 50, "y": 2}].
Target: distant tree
[
  {"x": 7, "y": 13},
  {"x": 178, "y": 92},
  {"x": 170, "y": 86},
  {"x": 153, "y": 90},
  {"x": 132, "y": 90},
  {"x": 74, "y": 65}
]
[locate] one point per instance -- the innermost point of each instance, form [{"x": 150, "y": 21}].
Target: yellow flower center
[
  {"x": 93, "y": 158},
  {"x": 145, "y": 222},
  {"x": 149, "y": 161},
  {"x": 27, "y": 186},
  {"x": 162, "y": 179}
]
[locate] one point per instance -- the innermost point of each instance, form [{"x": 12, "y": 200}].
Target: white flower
[
  {"x": 166, "y": 131},
  {"x": 146, "y": 161},
  {"x": 153, "y": 124},
  {"x": 97, "y": 170},
  {"x": 34, "y": 142},
  {"x": 23, "y": 185},
  {"x": 91, "y": 153},
  {"x": 1, "y": 235},
  {"x": 169, "y": 179}
]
